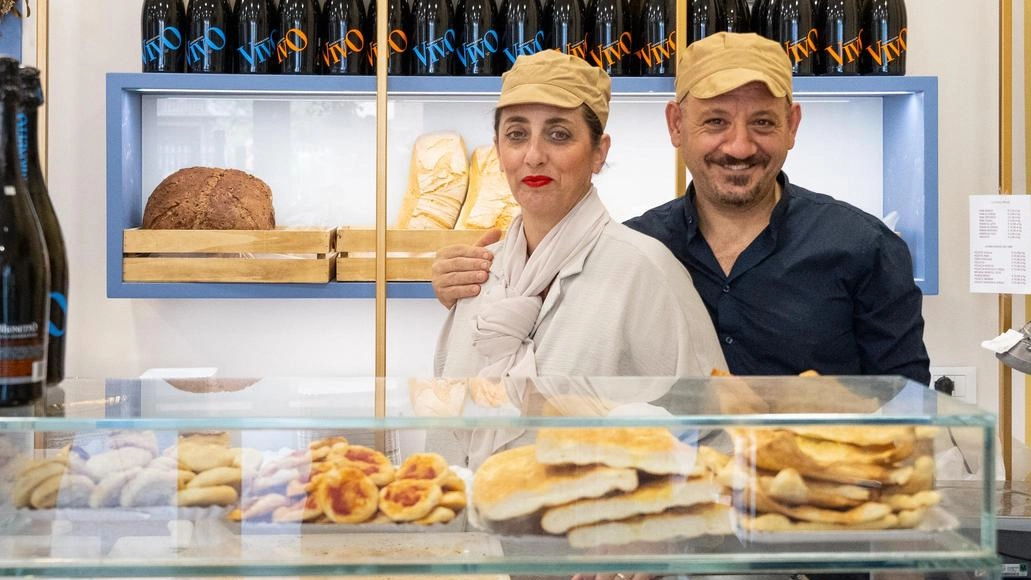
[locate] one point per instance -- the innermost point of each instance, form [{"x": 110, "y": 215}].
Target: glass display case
[{"x": 545, "y": 477}]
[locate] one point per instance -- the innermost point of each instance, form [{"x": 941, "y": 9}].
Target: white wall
[{"x": 318, "y": 337}]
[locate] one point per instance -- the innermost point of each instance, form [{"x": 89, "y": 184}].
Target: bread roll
[
  {"x": 437, "y": 181},
  {"x": 489, "y": 203},
  {"x": 205, "y": 198}
]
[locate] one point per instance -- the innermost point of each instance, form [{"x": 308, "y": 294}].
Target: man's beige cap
[
  {"x": 722, "y": 62},
  {"x": 553, "y": 78}
]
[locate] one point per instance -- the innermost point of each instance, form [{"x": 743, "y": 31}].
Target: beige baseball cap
[
  {"x": 722, "y": 62},
  {"x": 553, "y": 78}
]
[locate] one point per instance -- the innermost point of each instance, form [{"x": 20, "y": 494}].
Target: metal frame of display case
[{"x": 910, "y": 161}]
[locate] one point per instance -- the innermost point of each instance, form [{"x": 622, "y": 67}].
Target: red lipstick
[{"x": 537, "y": 180}]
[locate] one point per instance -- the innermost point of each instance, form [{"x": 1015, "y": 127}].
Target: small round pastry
[
  {"x": 454, "y": 500},
  {"x": 145, "y": 440},
  {"x": 150, "y": 487},
  {"x": 206, "y": 496},
  {"x": 108, "y": 491},
  {"x": 327, "y": 442},
  {"x": 204, "y": 456},
  {"x": 439, "y": 515},
  {"x": 103, "y": 464},
  {"x": 65, "y": 491},
  {"x": 453, "y": 482},
  {"x": 428, "y": 466},
  {"x": 347, "y": 496},
  {"x": 230, "y": 476},
  {"x": 405, "y": 500},
  {"x": 373, "y": 463},
  {"x": 29, "y": 479}
]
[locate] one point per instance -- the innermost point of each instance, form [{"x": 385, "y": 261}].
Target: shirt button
[
  {"x": 729, "y": 340},
  {"x": 726, "y": 289},
  {"x": 690, "y": 220}
]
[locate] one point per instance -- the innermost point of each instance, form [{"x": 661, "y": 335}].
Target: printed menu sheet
[{"x": 1000, "y": 242}]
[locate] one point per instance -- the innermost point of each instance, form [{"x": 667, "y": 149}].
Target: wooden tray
[
  {"x": 410, "y": 253},
  {"x": 279, "y": 255}
]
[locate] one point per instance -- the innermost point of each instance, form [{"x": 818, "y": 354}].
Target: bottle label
[
  {"x": 578, "y": 49},
  {"x": 433, "y": 50},
  {"x": 213, "y": 40},
  {"x": 606, "y": 55},
  {"x": 397, "y": 40},
  {"x": 169, "y": 39},
  {"x": 259, "y": 51},
  {"x": 477, "y": 50},
  {"x": 58, "y": 313},
  {"x": 293, "y": 41},
  {"x": 353, "y": 42},
  {"x": 884, "y": 52},
  {"x": 532, "y": 46},
  {"x": 22, "y": 136},
  {"x": 801, "y": 49},
  {"x": 655, "y": 54},
  {"x": 22, "y": 353},
  {"x": 846, "y": 52}
]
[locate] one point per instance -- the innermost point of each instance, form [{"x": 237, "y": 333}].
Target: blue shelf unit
[{"x": 910, "y": 150}]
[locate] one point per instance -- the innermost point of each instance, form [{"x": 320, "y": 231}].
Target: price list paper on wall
[{"x": 1000, "y": 244}]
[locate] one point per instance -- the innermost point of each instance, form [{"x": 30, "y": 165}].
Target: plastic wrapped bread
[
  {"x": 437, "y": 181},
  {"x": 489, "y": 203}
]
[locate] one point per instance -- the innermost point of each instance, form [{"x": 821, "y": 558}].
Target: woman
[{"x": 571, "y": 292}]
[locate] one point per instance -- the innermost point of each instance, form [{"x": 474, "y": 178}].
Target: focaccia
[
  {"x": 437, "y": 182},
  {"x": 651, "y": 449}
]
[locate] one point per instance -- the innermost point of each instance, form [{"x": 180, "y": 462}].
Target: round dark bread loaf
[{"x": 206, "y": 198}]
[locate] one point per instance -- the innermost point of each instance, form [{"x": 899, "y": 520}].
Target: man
[{"x": 793, "y": 279}]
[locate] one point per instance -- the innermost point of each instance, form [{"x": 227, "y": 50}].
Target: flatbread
[
  {"x": 826, "y": 451},
  {"x": 790, "y": 488},
  {"x": 651, "y": 449},
  {"x": 756, "y": 499},
  {"x": 513, "y": 483},
  {"x": 781, "y": 523},
  {"x": 776, "y": 449},
  {"x": 649, "y": 498},
  {"x": 864, "y": 436},
  {"x": 688, "y": 522}
]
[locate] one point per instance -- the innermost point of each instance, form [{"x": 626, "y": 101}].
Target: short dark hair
[{"x": 593, "y": 124}]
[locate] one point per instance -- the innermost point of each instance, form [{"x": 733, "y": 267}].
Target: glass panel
[
  {"x": 549, "y": 476},
  {"x": 316, "y": 153}
]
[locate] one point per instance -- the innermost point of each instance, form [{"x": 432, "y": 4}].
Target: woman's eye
[
  {"x": 515, "y": 135},
  {"x": 559, "y": 135}
]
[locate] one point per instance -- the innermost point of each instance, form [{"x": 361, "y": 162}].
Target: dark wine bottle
[
  {"x": 566, "y": 29},
  {"x": 522, "y": 30},
  {"x": 478, "y": 38},
  {"x": 762, "y": 23},
  {"x": 208, "y": 43},
  {"x": 738, "y": 17},
  {"x": 297, "y": 50},
  {"x": 343, "y": 37},
  {"x": 163, "y": 27},
  {"x": 705, "y": 17},
  {"x": 841, "y": 45},
  {"x": 611, "y": 37},
  {"x": 32, "y": 172},
  {"x": 794, "y": 27},
  {"x": 433, "y": 38},
  {"x": 25, "y": 283},
  {"x": 256, "y": 36},
  {"x": 884, "y": 37},
  {"x": 399, "y": 27},
  {"x": 656, "y": 52}
]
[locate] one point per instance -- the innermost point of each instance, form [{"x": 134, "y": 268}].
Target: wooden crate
[
  {"x": 410, "y": 253},
  {"x": 279, "y": 255}
]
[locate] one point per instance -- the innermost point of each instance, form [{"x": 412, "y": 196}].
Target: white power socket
[{"x": 965, "y": 379}]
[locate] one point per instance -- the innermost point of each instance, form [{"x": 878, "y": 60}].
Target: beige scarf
[{"x": 506, "y": 323}]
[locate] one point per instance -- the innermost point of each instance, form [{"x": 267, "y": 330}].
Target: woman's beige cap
[
  {"x": 552, "y": 78},
  {"x": 722, "y": 62}
]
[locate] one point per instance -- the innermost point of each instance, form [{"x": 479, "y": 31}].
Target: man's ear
[{"x": 674, "y": 122}]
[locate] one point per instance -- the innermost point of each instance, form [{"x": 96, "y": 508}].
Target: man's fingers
[{"x": 489, "y": 238}]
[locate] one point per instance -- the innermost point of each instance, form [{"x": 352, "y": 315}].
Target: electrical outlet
[{"x": 965, "y": 379}]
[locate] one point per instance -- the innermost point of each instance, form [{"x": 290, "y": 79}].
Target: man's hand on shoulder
[{"x": 458, "y": 271}]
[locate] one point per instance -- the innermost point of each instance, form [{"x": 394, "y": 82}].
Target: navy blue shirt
[{"x": 825, "y": 286}]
